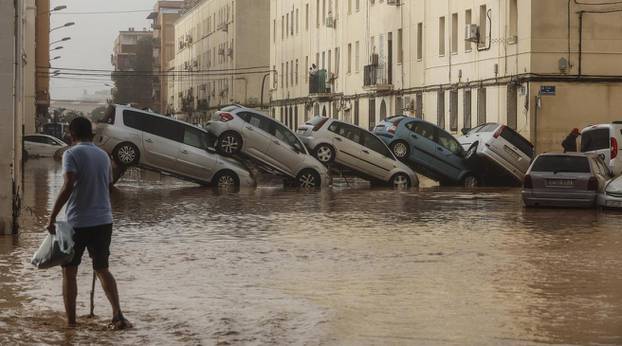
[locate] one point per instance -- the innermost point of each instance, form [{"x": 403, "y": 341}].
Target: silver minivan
[
  {"x": 156, "y": 142},
  {"x": 357, "y": 149},
  {"x": 604, "y": 140}
]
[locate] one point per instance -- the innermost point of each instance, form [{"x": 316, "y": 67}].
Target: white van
[
  {"x": 149, "y": 140},
  {"x": 604, "y": 140}
]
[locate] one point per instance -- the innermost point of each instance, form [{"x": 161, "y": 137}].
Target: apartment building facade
[
  {"x": 221, "y": 57},
  {"x": 164, "y": 15},
  {"x": 541, "y": 67}
]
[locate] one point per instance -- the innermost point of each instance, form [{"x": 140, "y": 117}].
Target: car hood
[{"x": 615, "y": 185}]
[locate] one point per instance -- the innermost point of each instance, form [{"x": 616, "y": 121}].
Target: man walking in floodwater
[{"x": 87, "y": 177}]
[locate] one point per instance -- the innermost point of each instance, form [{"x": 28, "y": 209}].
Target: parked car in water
[
  {"x": 40, "y": 145},
  {"x": 240, "y": 130},
  {"x": 611, "y": 197},
  {"x": 564, "y": 180},
  {"x": 135, "y": 137},
  {"x": 604, "y": 140},
  {"x": 499, "y": 145},
  {"x": 431, "y": 150},
  {"x": 357, "y": 149}
]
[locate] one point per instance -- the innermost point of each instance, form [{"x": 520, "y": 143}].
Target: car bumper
[
  {"x": 558, "y": 199},
  {"x": 608, "y": 201}
]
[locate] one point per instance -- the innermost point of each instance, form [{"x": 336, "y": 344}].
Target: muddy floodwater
[{"x": 346, "y": 266}]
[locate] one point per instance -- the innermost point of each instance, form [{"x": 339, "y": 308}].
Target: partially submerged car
[
  {"x": 604, "y": 140},
  {"x": 334, "y": 141},
  {"x": 152, "y": 141},
  {"x": 504, "y": 149},
  {"x": 564, "y": 180},
  {"x": 430, "y": 150},
  {"x": 240, "y": 130},
  {"x": 611, "y": 197},
  {"x": 41, "y": 145}
]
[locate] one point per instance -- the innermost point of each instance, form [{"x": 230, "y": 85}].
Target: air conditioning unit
[
  {"x": 330, "y": 22},
  {"x": 374, "y": 59},
  {"x": 393, "y": 2},
  {"x": 221, "y": 51},
  {"x": 471, "y": 33},
  {"x": 229, "y": 51}
]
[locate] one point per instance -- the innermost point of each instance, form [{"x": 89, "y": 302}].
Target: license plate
[{"x": 560, "y": 182}]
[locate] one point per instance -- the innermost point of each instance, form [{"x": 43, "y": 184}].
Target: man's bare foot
[{"x": 120, "y": 323}]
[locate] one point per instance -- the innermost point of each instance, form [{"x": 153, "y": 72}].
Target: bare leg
[
  {"x": 110, "y": 288},
  {"x": 70, "y": 292}
]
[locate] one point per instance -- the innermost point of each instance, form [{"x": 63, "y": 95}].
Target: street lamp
[
  {"x": 61, "y": 40},
  {"x": 57, "y": 48},
  {"x": 63, "y": 26},
  {"x": 55, "y": 9},
  {"x": 55, "y": 58}
]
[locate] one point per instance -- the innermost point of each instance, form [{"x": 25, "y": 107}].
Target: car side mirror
[{"x": 465, "y": 130}]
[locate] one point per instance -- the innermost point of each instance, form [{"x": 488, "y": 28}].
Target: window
[
  {"x": 287, "y": 24},
  {"x": 597, "y": 139},
  {"x": 286, "y": 74},
  {"x": 559, "y": 163},
  {"x": 454, "y": 33},
  {"x": 512, "y": 105},
  {"x": 513, "y": 21},
  {"x": 422, "y": 129},
  {"x": 329, "y": 61},
  {"x": 441, "y": 36},
  {"x": 282, "y": 27},
  {"x": 274, "y": 30},
  {"x": 323, "y": 60},
  {"x": 419, "y": 41},
  {"x": 292, "y": 23},
  {"x": 440, "y": 109},
  {"x": 466, "y": 113},
  {"x": 448, "y": 142},
  {"x": 257, "y": 121},
  {"x": 467, "y": 21},
  {"x": 358, "y": 5},
  {"x": 283, "y": 134},
  {"x": 349, "y": 6},
  {"x": 372, "y": 142},
  {"x": 282, "y": 74},
  {"x": 400, "y": 52},
  {"x": 349, "y": 57},
  {"x": 481, "y": 106},
  {"x": 297, "y": 31},
  {"x": 517, "y": 140},
  {"x": 165, "y": 128},
  {"x": 483, "y": 25},
  {"x": 307, "y": 17},
  {"x": 196, "y": 138},
  {"x": 357, "y": 58},
  {"x": 291, "y": 73},
  {"x": 419, "y": 105},
  {"x": 323, "y": 12},
  {"x": 306, "y": 66},
  {"x": 317, "y": 13},
  {"x": 453, "y": 110},
  {"x": 109, "y": 115},
  {"x": 296, "y": 71},
  {"x": 135, "y": 120}
]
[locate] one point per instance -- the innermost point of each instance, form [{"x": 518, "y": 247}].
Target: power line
[
  {"x": 101, "y": 12},
  {"x": 154, "y": 71}
]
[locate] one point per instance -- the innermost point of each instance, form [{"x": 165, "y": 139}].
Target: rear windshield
[
  {"x": 518, "y": 141},
  {"x": 575, "y": 164},
  {"x": 596, "y": 139},
  {"x": 315, "y": 121}
]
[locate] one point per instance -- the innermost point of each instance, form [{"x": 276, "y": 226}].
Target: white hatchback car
[
  {"x": 500, "y": 145},
  {"x": 604, "y": 140},
  {"x": 276, "y": 148},
  {"x": 40, "y": 145},
  {"x": 612, "y": 196},
  {"x": 156, "y": 142},
  {"x": 331, "y": 140}
]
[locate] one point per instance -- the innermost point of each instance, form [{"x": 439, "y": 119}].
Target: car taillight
[
  {"x": 592, "y": 184},
  {"x": 224, "y": 117},
  {"x": 614, "y": 148},
  {"x": 320, "y": 124},
  {"x": 528, "y": 183},
  {"x": 499, "y": 131}
]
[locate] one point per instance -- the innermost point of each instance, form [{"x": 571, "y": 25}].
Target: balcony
[
  {"x": 321, "y": 84},
  {"x": 376, "y": 78}
]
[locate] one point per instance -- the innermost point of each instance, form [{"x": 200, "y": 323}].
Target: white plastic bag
[{"x": 56, "y": 249}]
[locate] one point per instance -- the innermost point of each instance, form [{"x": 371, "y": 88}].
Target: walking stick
[{"x": 92, "y": 314}]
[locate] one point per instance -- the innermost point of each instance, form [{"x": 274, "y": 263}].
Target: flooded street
[{"x": 346, "y": 266}]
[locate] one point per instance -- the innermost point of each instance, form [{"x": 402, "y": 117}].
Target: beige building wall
[
  {"x": 221, "y": 56},
  {"x": 523, "y": 46}
]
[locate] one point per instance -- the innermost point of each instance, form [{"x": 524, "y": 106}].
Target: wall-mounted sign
[{"x": 547, "y": 90}]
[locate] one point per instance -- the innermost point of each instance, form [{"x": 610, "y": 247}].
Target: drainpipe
[
  {"x": 580, "y": 43},
  {"x": 263, "y": 85}
]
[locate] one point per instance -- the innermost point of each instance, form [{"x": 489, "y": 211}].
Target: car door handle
[
  {"x": 250, "y": 128},
  {"x": 184, "y": 151},
  {"x": 276, "y": 142},
  {"x": 365, "y": 151},
  {"x": 339, "y": 139},
  {"x": 148, "y": 140}
]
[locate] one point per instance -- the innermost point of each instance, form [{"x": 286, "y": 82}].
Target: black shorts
[{"x": 97, "y": 240}]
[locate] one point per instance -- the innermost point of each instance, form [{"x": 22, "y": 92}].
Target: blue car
[{"x": 429, "y": 149}]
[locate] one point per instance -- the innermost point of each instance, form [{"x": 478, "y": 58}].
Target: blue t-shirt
[{"x": 89, "y": 203}]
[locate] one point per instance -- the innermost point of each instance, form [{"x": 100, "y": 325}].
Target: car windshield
[
  {"x": 596, "y": 139},
  {"x": 488, "y": 128},
  {"x": 108, "y": 117},
  {"x": 314, "y": 121},
  {"x": 517, "y": 140},
  {"x": 561, "y": 163}
]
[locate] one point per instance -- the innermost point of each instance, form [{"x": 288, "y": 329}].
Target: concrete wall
[{"x": 30, "y": 66}]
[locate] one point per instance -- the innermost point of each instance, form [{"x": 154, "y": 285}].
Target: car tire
[
  {"x": 229, "y": 144},
  {"x": 226, "y": 181},
  {"x": 324, "y": 153},
  {"x": 470, "y": 181},
  {"x": 400, "y": 181},
  {"x": 309, "y": 179},
  {"x": 401, "y": 150},
  {"x": 471, "y": 153},
  {"x": 126, "y": 154}
]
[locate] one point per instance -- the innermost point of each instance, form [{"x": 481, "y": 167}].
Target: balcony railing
[
  {"x": 375, "y": 77},
  {"x": 318, "y": 82}
]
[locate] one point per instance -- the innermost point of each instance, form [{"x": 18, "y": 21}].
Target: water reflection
[{"x": 351, "y": 265}]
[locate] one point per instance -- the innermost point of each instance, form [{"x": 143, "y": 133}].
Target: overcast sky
[{"x": 92, "y": 38}]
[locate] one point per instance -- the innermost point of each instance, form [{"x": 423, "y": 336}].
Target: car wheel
[
  {"x": 229, "y": 143},
  {"x": 324, "y": 153},
  {"x": 226, "y": 181},
  {"x": 470, "y": 181},
  {"x": 400, "y": 181},
  {"x": 401, "y": 150},
  {"x": 470, "y": 154},
  {"x": 309, "y": 180},
  {"x": 126, "y": 154}
]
